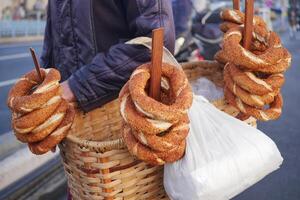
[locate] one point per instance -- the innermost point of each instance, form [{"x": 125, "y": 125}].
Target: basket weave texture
[{"x": 97, "y": 162}]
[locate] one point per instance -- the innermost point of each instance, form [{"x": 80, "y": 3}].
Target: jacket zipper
[{"x": 92, "y": 27}]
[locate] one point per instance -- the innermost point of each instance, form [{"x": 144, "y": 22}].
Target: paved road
[{"x": 15, "y": 60}]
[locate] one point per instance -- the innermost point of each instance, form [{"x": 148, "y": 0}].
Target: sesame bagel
[
  {"x": 155, "y": 131},
  {"x": 148, "y": 155},
  {"x": 252, "y": 77},
  {"x": 136, "y": 119},
  {"x": 248, "y": 98},
  {"x": 167, "y": 140},
  {"x": 40, "y": 116},
  {"x": 253, "y": 84},
  {"x": 271, "y": 113},
  {"x": 56, "y": 136},
  {"x": 21, "y": 99},
  {"x": 237, "y": 18},
  {"x": 47, "y": 127},
  {"x": 275, "y": 59},
  {"x": 259, "y": 36},
  {"x": 28, "y": 122},
  {"x": 180, "y": 91}
]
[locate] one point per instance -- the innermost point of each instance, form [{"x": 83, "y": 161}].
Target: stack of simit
[
  {"x": 155, "y": 131},
  {"x": 40, "y": 116},
  {"x": 253, "y": 77}
]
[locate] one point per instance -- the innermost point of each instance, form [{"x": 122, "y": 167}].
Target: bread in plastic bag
[{"x": 224, "y": 156}]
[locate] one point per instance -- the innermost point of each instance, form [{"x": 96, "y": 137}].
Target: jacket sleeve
[
  {"x": 46, "y": 57},
  {"x": 100, "y": 81}
]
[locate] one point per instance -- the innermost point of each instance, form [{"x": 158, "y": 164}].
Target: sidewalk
[
  {"x": 19, "y": 164},
  {"x": 9, "y": 145}
]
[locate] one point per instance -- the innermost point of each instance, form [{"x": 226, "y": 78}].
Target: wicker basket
[{"x": 96, "y": 161}]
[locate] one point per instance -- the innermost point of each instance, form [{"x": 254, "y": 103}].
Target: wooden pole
[
  {"x": 36, "y": 63},
  {"x": 248, "y": 29},
  {"x": 38, "y": 70},
  {"x": 236, "y": 4},
  {"x": 248, "y": 24},
  {"x": 156, "y": 62}
]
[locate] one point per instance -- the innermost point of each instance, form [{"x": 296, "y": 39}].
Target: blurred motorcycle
[{"x": 203, "y": 39}]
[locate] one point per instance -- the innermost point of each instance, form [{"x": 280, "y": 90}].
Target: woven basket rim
[
  {"x": 108, "y": 144},
  {"x": 102, "y": 145},
  {"x": 194, "y": 64}
]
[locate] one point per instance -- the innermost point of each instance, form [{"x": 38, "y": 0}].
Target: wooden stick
[
  {"x": 248, "y": 29},
  {"x": 236, "y": 4},
  {"x": 156, "y": 61},
  {"x": 36, "y": 63},
  {"x": 248, "y": 24}
]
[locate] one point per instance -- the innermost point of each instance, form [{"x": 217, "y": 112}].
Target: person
[
  {"x": 19, "y": 13},
  {"x": 283, "y": 14},
  {"x": 6, "y": 13},
  {"x": 182, "y": 10},
  {"x": 85, "y": 41},
  {"x": 38, "y": 6},
  {"x": 293, "y": 18}
]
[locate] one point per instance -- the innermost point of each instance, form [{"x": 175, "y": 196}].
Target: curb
[
  {"x": 10, "y": 40},
  {"x": 46, "y": 182},
  {"x": 20, "y": 163},
  {"x": 9, "y": 144}
]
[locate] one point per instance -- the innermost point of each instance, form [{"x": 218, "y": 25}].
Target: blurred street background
[{"x": 24, "y": 176}]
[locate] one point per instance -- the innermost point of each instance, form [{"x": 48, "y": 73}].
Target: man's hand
[{"x": 67, "y": 93}]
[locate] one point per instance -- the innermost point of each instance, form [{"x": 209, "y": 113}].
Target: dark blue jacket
[{"x": 84, "y": 40}]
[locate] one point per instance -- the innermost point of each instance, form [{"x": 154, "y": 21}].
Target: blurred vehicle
[{"x": 203, "y": 38}]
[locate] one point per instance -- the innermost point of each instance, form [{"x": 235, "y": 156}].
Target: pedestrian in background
[
  {"x": 293, "y": 14},
  {"x": 283, "y": 14},
  {"x": 182, "y": 11},
  {"x": 6, "y": 13},
  {"x": 19, "y": 13}
]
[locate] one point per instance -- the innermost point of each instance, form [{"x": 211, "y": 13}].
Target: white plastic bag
[
  {"x": 205, "y": 87},
  {"x": 224, "y": 156}
]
